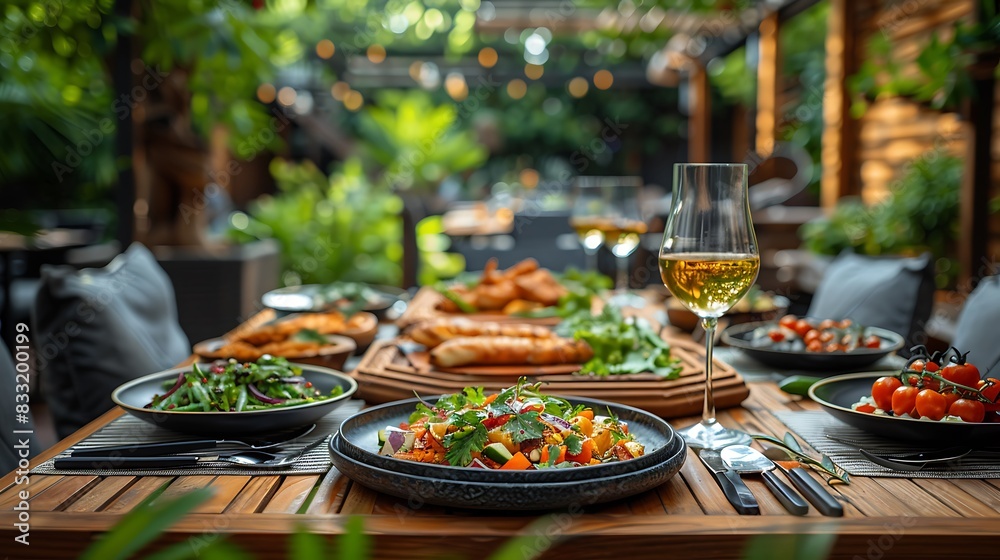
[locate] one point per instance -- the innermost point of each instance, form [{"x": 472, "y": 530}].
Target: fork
[{"x": 250, "y": 458}]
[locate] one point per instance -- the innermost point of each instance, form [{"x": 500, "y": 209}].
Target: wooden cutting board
[
  {"x": 385, "y": 374},
  {"x": 424, "y": 306}
]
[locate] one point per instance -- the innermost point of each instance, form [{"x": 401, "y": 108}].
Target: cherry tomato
[
  {"x": 826, "y": 337},
  {"x": 866, "y": 408},
  {"x": 931, "y": 383},
  {"x": 844, "y": 324},
  {"x": 802, "y": 327},
  {"x": 991, "y": 389},
  {"x": 904, "y": 400},
  {"x": 950, "y": 397},
  {"x": 882, "y": 391},
  {"x": 872, "y": 342},
  {"x": 827, "y": 324},
  {"x": 963, "y": 374},
  {"x": 811, "y": 336},
  {"x": 788, "y": 321},
  {"x": 931, "y": 404},
  {"x": 968, "y": 410},
  {"x": 776, "y": 335},
  {"x": 814, "y": 346},
  {"x": 834, "y": 347}
]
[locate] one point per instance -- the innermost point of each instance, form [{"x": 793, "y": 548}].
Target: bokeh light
[
  {"x": 376, "y": 53},
  {"x": 517, "y": 88},
  {"x": 325, "y": 49},
  {"x": 353, "y": 100},
  {"x": 339, "y": 90},
  {"x": 488, "y": 57},
  {"x": 603, "y": 79},
  {"x": 286, "y": 96},
  {"x": 578, "y": 87},
  {"x": 533, "y": 71},
  {"x": 265, "y": 92}
]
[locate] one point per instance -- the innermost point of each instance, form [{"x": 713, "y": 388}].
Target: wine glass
[
  {"x": 606, "y": 211},
  {"x": 708, "y": 261},
  {"x": 586, "y": 217}
]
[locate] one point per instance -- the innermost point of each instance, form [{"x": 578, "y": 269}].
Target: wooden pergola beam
[
  {"x": 839, "y": 157},
  {"x": 699, "y": 114},
  {"x": 768, "y": 85},
  {"x": 974, "y": 200}
]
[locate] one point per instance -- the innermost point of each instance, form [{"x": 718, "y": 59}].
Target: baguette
[
  {"x": 433, "y": 333},
  {"x": 509, "y": 350}
]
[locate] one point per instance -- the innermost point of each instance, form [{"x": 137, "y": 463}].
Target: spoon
[
  {"x": 744, "y": 459},
  {"x": 250, "y": 458}
]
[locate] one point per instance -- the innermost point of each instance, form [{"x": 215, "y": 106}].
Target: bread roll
[{"x": 509, "y": 350}]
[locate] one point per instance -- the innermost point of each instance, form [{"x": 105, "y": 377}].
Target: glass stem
[
  {"x": 621, "y": 283},
  {"x": 708, "y": 412},
  {"x": 591, "y": 259}
]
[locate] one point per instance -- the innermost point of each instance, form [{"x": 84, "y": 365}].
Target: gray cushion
[
  {"x": 98, "y": 328},
  {"x": 976, "y": 330},
  {"x": 893, "y": 293}
]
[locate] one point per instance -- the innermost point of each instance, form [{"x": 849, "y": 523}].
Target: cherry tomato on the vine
[
  {"x": 991, "y": 389},
  {"x": 882, "y": 391},
  {"x": 788, "y": 321},
  {"x": 963, "y": 374},
  {"x": 968, "y": 410},
  {"x": 904, "y": 400},
  {"x": 931, "y": 404}
]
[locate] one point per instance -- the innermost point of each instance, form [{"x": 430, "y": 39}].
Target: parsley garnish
[
  {"x": 422, "y": 412},
  {"x": 553, "y": 456},
  {"x": 463, "y": 443},
  {"x": 524, "y": 426},
  {"x": 574, "y": 444}
]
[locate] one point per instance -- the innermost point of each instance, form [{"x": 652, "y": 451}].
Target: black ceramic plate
[
  {"x": 308, "y": 298},
  {"x": 740, "y": 336},
  {"x": 135, "y": 394},
  {"x": 508, "y": 496},
  {"x": 837, "y": 394},
  {"x": 360, "y": 442}
]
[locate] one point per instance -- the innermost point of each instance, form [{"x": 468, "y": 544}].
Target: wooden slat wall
[
  {"x": 993, "y": 249},
  {"x": 894, "y": 131}
]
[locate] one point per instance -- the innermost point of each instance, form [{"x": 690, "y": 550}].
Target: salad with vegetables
[
  {"x": 232, "y": 386},
  {"x": 518, "y": 428},
  {"x": 940, "y": 386}
]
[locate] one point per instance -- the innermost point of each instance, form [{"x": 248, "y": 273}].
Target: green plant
[
  {"x": 942, "y": 79},
  {"x": 415, "y": 141},
  {"x": 337, "y": 228},
  {"x": 920, "y": 214}
]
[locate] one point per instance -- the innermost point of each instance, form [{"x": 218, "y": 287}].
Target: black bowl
[
  {"x": 359, "y": 435},
  {"x": 135, "y": 394},
  {"x": 741, "y": 336},
  {"x": 837, "y": 394},
  {"x": 307, "y": 298},
  {"x": 508, "y": 496}
]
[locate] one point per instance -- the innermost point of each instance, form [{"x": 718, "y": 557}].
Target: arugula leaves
[{"x": 621, "y": 346}]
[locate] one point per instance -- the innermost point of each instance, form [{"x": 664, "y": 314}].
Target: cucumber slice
[
  {"x": 381, "y": 438},
  {"x": 797, "y": 384},
  {"x": 497, "y": 452}
]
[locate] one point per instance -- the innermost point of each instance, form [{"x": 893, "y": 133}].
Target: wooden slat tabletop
[{"x": 924, "y": 518}]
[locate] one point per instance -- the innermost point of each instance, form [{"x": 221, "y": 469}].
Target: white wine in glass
[{"x": 708, "y": 261}]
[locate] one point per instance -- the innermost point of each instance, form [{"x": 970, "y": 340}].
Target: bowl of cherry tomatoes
[
  {"x": 933, "y": 396},
  {"x": 813, "y": 344}
]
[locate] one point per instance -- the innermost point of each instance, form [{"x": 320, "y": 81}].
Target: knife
[
  {"x": 729, "y": 481},
  {"x": 813, "y": 491}
]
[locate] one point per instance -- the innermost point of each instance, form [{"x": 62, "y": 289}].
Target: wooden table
[{"x": 687, "y": 517}]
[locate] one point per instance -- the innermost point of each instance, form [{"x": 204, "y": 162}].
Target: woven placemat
[
  {"x": 128, "y": 429},
  {"x": 814, "y": 425}
]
